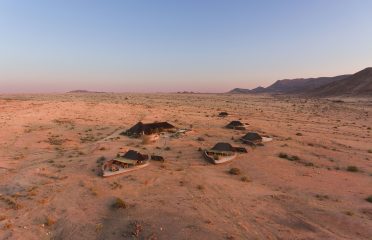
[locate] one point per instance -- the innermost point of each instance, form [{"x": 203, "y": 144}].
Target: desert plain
[{"x": 311, "y": 182}]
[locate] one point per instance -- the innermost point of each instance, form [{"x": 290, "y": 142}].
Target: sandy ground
[{"x": 50, "y": 147}]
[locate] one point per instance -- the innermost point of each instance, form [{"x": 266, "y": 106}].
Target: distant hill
[
  {"x": 358, "y": 84},
  {"x": 83, "y": 91},
  {"x": 244, "y": 90},
  {"x": 301, "y": 85},
  {"x": 240, "y": 90},
  {"x": 292, "y": 86}
]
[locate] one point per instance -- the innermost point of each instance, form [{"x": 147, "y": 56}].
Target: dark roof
[
  {"x": 148, "y": 128},
  {"x": 252, "y": 136},
  {"x": 223, "y": 147},
  {"x": 134, "y": 155},
  {"x": 234, "y": 124}
]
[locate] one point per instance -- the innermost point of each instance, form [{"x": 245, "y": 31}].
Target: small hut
[
  {"x": 222, "y": 152},
  {"x": 237, "y": 125},
  {"x": 134, "y": 155},
  {"x": 251, "y": 138},
  {"x": 223, "y": 147},
  {"x": 148, "y": 128}
]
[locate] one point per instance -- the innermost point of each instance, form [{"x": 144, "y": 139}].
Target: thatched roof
[
  {"x": 252, "y": 137},
  {"x": 226, "y": 147},
  {"x": 234, "y": 124},
  {"x": 134, "y": 155},
  {"x": 223, "y": 147},
  {"x": 148, "y": 128}
]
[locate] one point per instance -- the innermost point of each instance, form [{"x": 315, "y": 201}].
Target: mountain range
[{"x": 358, "y": 84}]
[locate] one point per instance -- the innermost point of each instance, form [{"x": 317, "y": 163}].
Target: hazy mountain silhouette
[{"x": 358, "y": 84}]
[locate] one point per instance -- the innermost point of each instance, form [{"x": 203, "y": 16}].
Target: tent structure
[
  {"x": 148, "y": 128},
  {"x": 252, "y": 138},
  {"x": 134, "y": 155},
  {"x": 226, "y": 147},
  {"x": 237, "y": 125},
  {"x": 131, "y": 160},
  {"x": 223, "y": 147},
  {"x": 222, "y": 152}
]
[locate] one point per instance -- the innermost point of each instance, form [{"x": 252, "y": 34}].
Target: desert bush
[
  {"x": 369, "y": 199},
  {"x": 49, "y": 221},
  {"x": 200, "y": 187},
  {"x": 7, "y": 226},
  {"x": 352, "y": 169},
  {"x": 288, "y": 157},
  {"x": 234, "y": 171},
  {"x": 322, "y": 197},
  {"x": 101, "y": 159},
  {"x": 245, "y": 179},
  {"x": 119, "y": 203}
]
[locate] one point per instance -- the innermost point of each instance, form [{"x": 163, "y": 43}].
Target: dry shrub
[
  {"x": 234, "y": 171},
  {"x": 119, "y": 204},
  {"x": 49, "y": 221}
]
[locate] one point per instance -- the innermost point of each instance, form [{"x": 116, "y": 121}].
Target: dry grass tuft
[
  {"x": 352, "y": 169},
  {"x": 49, "y": 221},
  {"x": 245, "y": 179},
  {"x": 234, "y": 171},
  {"x": 119, "y": 204}
]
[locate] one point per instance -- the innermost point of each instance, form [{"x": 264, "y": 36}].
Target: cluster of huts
[{"x": 220, "y": 153}]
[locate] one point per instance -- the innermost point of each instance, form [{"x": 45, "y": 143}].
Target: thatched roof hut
[
  {"x": 235, "y": 125},
  {"x": 223, "y": 147},
  {"x": 134, "y": 155},
  {"x": 226, "y": 147},
  {"x": 252, "y": 137},
  {"x": 148, "y": 128}
]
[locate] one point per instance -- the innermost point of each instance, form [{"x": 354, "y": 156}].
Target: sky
[{"x": 178, "y": 45}]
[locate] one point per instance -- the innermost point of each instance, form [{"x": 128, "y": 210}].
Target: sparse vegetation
[
  {"x": 115, "y": 185},
  {"x": 200, "y": 187},
  {"x": 119, "y": 204},
  {"x": 49, "y": 221},
  {"x": 245, "y": 179},
  {"x": 101, "y": 159},
  {"x": 7, "y": 225},
  {"x": 10, "y": 202},
  {"x": 200, "y": 139},
  {"x": 283, "y": 155},
  {"x": 234, "y": 171},
  {"x": 322, "y": 197},
  {"x": 288, "y": 157},
  {"x": 369, "y": 198},
  {"x": 352, "y": 169}
]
